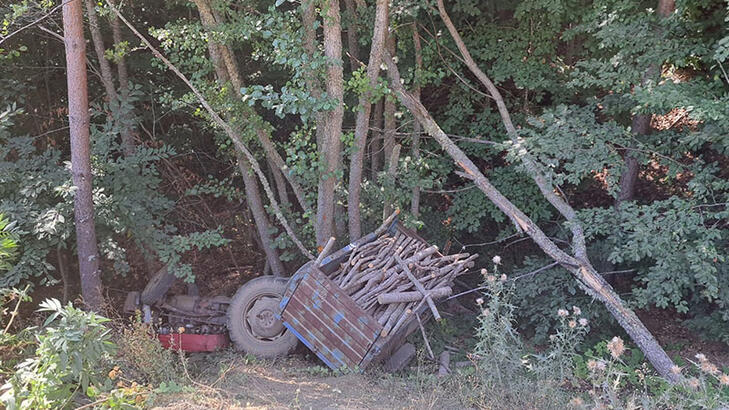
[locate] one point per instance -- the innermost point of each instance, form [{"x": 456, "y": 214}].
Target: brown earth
[{"x": 296, "y": 382}]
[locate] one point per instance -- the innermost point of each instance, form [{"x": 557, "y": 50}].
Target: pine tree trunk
[{"x": 78, "y": 116}]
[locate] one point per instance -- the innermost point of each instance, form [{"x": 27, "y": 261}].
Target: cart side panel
[{"x": 328, "y": 322}]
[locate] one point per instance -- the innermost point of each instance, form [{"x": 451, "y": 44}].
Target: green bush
[
  {"x": 142, "y": 356},
  {"x": 72, "y": 346},
  {"x": 8, "y": 247}
]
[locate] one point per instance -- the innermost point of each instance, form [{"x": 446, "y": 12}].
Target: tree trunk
[
  {"x": 415, "y": 200},
  {"x": 352, "y": 42},
  {"x": 376, "y": 155},
  {"x": 253, "y": 198},
  {"x": 97, "y": 39},
  {"x": 313, "y": 84},
  {"x": 362, "y": 123},
  {"x": 329, "y": 151},
  {"x": 78, "y": 117},
  {"x": 390, "y": 123},
  {"x": 387, "y": 209},
  {"x": 283, "y": 196},
  {"x": 127, "y": 128},
  {"x": 225, "y": 68},
  {"x": 641, "y": 124}
]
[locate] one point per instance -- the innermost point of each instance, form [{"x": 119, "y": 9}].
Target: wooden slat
[
  {"x": 360, "y": 317},
  {"x": 313, "y": 342},
  {"x": 333, "y": 335},
  {"x": 339, "y": 319},
  {"x": 329, "y": 322}
]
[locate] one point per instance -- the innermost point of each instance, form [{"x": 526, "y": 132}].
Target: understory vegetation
[{"x": 228, "y": 140}]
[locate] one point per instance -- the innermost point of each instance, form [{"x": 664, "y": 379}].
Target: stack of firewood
[{"x": 394, "y": 275}]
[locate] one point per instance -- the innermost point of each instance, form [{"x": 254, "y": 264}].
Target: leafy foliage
[
  {"x": 71, "y": 348},
  {"x": 7, "y": 244}
]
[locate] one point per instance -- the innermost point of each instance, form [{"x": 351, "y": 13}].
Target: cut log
[
  {"x": 402, "y": 297},
  {"x": 419, "y": 287},
  {"x": 400, "y": 358},
  {"x": 444, "y": 361}
]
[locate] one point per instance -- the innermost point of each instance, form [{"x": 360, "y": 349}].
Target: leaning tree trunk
[
  {"x": 579, "y": 265},
  {"x": 362, "y": 123},
  {"x": 78, "y": 118},
  {"x": 225, "y": 68},
  {"x": 97, "y": 39},
  {"x": 229, "y": 131},
  {"x": 589, "y": 279},
  {"x": 255, "y": 204}
]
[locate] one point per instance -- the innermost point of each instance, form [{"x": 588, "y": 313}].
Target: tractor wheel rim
[{"x": 261, "y": 318}]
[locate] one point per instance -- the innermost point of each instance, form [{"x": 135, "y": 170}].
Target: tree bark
[
  {"x": 376, "y": 155},
  {"x": 391, "y": 175},
  {"x": 352, "y": 42},
  {"x": 78, "y": 117},
  {"x": 362, "y": 123},
  {"x": 329, "y": 151},
  {"x": 97, "y": 39},
  {"x": 255, "y": 204},
  {"x": 415, "y": 200},
  {"x": 283, "y": 196},
  {"x": 308, "y": 19},
  {"x": 389, "y": 108}
]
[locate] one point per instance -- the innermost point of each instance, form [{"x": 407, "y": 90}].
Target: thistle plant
[
  {"x": 559, "y": 359},
  {"x": 499, "y": 343}
]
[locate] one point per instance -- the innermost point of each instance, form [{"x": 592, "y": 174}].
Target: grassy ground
[{"x": 227, "y": 380}]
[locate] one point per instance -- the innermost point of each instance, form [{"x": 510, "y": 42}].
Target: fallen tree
[{"x": 577, "y": 262}]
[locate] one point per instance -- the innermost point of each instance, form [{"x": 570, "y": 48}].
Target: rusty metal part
[{"x": 262, "y": 319}]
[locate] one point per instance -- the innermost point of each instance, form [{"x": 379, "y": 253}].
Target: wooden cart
[{"x": 330, "y": 323}]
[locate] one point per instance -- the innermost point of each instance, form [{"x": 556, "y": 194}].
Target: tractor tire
[
  {"x": 157, "y": 287},
  {"x": 252, "y": 324}
]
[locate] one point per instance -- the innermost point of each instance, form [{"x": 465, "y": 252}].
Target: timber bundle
[{"x": 394, "y": 275}]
